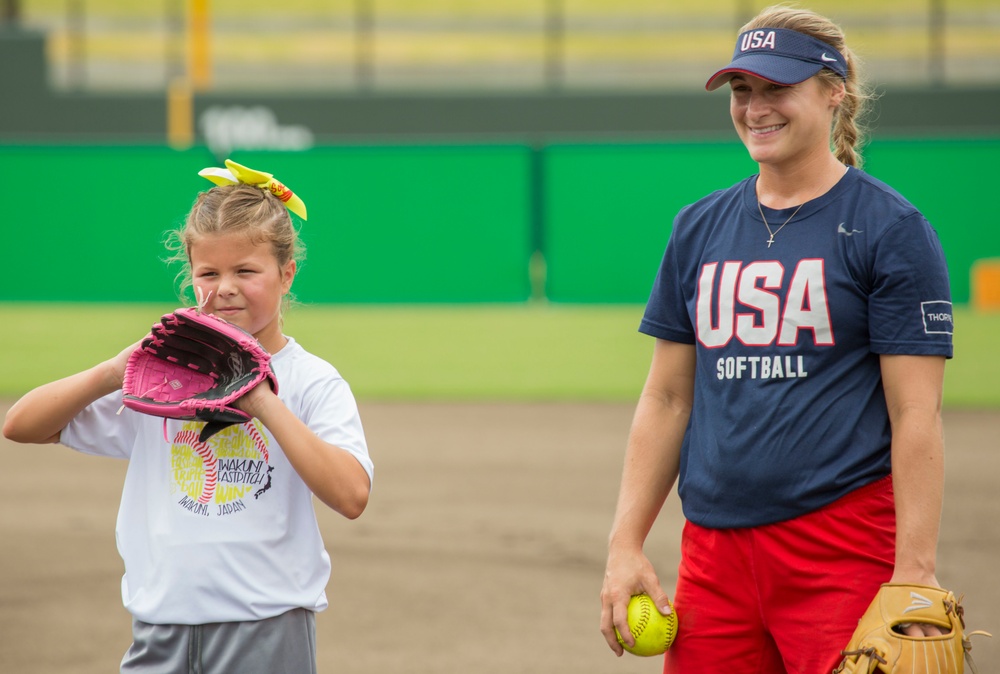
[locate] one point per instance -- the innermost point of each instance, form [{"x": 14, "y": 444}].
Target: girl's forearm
[
  {"x": 331, "y": 473},
  {"x": 42, "y": 413}
]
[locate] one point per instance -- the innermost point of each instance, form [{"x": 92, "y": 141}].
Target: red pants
[{"x": 782, "y": 598}]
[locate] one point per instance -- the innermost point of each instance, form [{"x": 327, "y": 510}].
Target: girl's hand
[
  {"x": 253, "y": 401},
  {"x": 115, "y": 367}
]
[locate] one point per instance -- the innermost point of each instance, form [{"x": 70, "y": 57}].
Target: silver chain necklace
[{"x": 771, "y": 240}]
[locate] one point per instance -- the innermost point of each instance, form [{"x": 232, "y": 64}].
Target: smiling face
[
  {"x": 784, "y": 126},
  {"x": 243, "y": 283}
]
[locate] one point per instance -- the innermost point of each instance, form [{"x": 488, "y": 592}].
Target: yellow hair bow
[{"x": 237, "y": 173}]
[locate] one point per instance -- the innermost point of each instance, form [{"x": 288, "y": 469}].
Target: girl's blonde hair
[
  {"x": 848, "y": 133},
  {"x": 236, "y": 209}
]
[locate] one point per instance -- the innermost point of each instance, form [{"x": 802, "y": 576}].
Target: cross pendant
[{"x": 770, "y": 241}]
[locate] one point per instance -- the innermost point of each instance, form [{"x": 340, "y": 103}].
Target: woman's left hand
[
  {"x": 917, "y": 629},
  {"x": 920, "y": 630}
]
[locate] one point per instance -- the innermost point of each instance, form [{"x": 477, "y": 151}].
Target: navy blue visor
[{"x": 780, "y": 56}]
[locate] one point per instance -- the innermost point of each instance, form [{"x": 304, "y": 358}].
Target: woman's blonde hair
[
  {"x": 848, "y": 133},
  {"x": 236, "y": 209}
]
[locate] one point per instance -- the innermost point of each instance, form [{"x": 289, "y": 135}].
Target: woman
[{"x": 802, "y": 320}]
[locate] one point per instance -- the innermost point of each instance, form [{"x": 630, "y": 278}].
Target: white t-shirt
[{"x": 225, "y": 530}]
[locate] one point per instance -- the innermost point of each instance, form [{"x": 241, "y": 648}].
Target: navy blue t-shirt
[{"x": 789, "y": 412}]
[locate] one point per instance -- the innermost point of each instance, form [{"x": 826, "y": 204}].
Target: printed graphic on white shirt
[{"x": 221, "y": 477}]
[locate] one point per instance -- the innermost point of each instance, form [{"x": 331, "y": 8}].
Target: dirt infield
[{"x": 482, "y": 550}]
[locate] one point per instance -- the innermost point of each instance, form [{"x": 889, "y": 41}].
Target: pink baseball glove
[{"x": 194, "y": 365}]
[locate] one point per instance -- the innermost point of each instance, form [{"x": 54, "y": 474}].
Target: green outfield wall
[
  {"x": 436, "y": 223},
  {"x": 386, "y": 224},
  {"x": 609, "y": 208}
]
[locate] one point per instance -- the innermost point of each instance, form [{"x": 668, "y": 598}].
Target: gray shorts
[{"x": 284, "y": 644}]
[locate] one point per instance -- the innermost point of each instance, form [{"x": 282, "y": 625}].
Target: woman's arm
[
  {"x": 652, "y": 460},
  {"x": 913, "y": 390}
]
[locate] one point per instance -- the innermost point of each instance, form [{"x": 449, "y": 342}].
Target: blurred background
[
  {"x": 457, "y": 150},
  {"x": 354, "y": 46}
]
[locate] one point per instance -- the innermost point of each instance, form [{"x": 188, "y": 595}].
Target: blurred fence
[{"x": 427, "y": 45}]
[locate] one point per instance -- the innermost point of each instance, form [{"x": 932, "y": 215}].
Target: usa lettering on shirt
[
  {"x": 754, "y": 286},
  {"x": 749, "y": 308}
]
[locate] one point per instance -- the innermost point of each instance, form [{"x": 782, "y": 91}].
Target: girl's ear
[{"x": 287, "y": 276}]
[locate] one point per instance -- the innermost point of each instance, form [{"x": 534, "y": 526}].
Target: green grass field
[{"x": 455, "y": 352}]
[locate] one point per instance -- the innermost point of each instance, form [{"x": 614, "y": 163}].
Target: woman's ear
[{"x": 837, "y": 94}]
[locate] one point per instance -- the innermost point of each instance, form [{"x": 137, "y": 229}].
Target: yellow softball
[{"x": 653, "y": 632}]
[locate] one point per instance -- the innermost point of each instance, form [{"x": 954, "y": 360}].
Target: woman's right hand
[{"x": 627, "y": 573}]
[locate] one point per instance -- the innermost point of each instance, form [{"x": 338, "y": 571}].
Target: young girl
[
  {"x": 224, "y": 562},
  {"x": 802, "y": 320}
]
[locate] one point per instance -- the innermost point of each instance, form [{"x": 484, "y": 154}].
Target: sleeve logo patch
[{"x": 938, "y": 319}]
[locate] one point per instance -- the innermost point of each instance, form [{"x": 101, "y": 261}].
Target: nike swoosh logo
[
  {"x": 842, "y": 230},
  {"x": 828, "y": 59}
]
